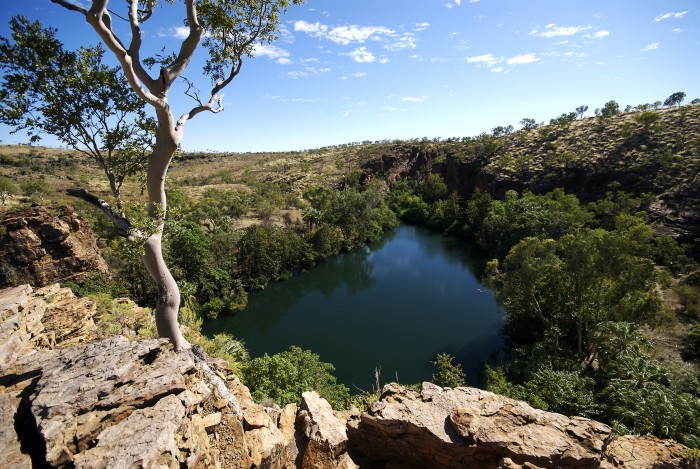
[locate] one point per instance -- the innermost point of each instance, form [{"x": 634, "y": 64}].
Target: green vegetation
[
  {"x": 448, "y": 374},
  {"x": 283, "y": 377},
  {"x": 8, "y": 188}
]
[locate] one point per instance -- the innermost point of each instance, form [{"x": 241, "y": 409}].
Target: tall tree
[
  {"x": 74, "y": 97},
  {"x": 675, "y": 99},
  {"x": 233, "y": 28}
]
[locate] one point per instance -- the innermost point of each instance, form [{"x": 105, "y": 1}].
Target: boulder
[
  {"x": 466, "y": 427},
  {"x": 325, "y": 432}
]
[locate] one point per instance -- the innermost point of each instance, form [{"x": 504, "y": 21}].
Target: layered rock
[
  {"x": 39, "y": 248},
  {"x": 116, "y": 403},
  {"x": 466, "y": 427}
]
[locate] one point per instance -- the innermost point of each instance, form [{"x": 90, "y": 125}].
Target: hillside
[{"x": 655, "y": 152}]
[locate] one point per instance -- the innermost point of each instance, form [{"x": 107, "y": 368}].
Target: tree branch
[
  {"x": 70, "y": 6},
  {"x": 122, "y": 224},
  {"x": 170, "y": 73},
  {"x": 95, "y": 16},
  {"x": 135, "y": 46}
]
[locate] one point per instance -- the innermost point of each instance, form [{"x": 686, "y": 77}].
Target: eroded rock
[
  {"x": 39, "y": 247},
  {"x": 466, "y": 427}
]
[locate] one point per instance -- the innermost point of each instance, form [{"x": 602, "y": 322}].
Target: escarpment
[
  {"x": 584, "y": 157},
  {"x": 72, "y": 398}
]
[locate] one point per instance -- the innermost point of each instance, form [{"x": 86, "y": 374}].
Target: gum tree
[
  {"x": 75, "y": 97},
  {"x": 229, "y": 31}
]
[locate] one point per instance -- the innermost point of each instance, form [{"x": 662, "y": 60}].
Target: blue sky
[{"x": 353, "y": 70}]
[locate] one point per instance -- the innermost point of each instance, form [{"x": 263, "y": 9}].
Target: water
[{"x": 394, "y": 306}]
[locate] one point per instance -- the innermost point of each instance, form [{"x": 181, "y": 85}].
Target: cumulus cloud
[
  {"x": 488, "y": 59},
  {"x": 181, "y": 32},
  {"x": 522, "y": 59},
  {"x": 552, "y": 30},
  {"x": 272, "y": 52},
  {"x": 598, "y": 35},
  {"x": 672, "y": 14},
  {"x": 362, "y": 55},
  {"x": 343, "y": 35},
  {"x": 652, "y": 46}
]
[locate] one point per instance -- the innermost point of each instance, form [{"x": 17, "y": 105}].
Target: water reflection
[{"x": 394, "y": 305}]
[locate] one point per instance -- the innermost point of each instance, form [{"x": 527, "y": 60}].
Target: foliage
[
  {"x": 8, "y": 188},
  {"x": 36, "y": 188},
  {"x": 75, "y": 97},
  {"x": 577, "y": 282},
  {"x": 448, "y": 374},
  {"x": 675, "y": 99},
  {"x": 565, "y": 392},
  {"x": 286, "y": 375}
]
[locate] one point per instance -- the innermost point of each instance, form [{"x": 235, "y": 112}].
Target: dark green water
[{"x": 394, "y": 305}]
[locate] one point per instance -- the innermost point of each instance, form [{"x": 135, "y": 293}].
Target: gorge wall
[
  {"x": 583, "y": 157},
  {"x": 72, "y": 398}
]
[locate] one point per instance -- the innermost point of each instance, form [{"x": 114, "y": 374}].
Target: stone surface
[
  {"x": 466, "y": 427},
  {"x": 38, "y": 247},
  {"x": 11, "y": 455},
  {"x": 325, "y": 432}
]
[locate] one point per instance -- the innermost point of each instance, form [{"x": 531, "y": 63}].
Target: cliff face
[
  {"x": 38, "y": 247},
  {"x": 658, "y": 155},
  {"x": 69, "y": 398}
]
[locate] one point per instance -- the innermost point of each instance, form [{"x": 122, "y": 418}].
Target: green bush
[
  {"x": 284, "y": 376},
  {"x": 447, "y": 374}
]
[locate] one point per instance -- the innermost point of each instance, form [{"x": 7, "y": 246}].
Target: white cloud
[
  {"x": 390, "y": 108},
  {"x": 497, "y": 69},
  {"x": 677, "y": 30},
  {"x": 672, "y": 14},
  {"x": 272, "y": 52},
  {"x": 181, "y": 32},
  {"x": 414, "y": 99},
  {"x": 421, "y": 27},
  {"x": 652, "y": 46},
  {"x": 362, "y": 55},
  {"x": 552, "y": 30},
  {"x": 407, "y": 41},
  {"x": 343, "y": 35},
  {"x": 416, "y": 57},
  {"x": 359, "y": 74},
  {"x": 488, "y": 59},
  {"x": 522, "y": 59},
  {"x": 598, "y": 35}
]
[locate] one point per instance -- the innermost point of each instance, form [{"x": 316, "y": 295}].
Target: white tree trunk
[{"x": 168, "y": 303}]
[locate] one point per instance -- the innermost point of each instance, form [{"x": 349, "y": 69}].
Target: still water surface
[{"x": 394, "y": 305}]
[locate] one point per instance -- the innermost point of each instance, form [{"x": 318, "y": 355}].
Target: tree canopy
[{"x": 75, "y": 97}]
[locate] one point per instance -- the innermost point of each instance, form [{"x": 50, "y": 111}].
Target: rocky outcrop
[
  {"x": 69, "y": 398},
  {"x": 466, "y": 427},
  {"x": 115, "y": 403},
  {"x": 39, "y": 248}
]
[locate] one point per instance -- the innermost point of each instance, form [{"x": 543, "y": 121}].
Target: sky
[{"x": 348, "y": 71}]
